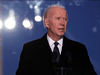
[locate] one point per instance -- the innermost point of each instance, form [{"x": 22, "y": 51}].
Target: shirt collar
[{"x": 51, "y": 41}]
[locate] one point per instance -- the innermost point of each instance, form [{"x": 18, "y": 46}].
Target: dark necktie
[{"x": 55, "y": 54}]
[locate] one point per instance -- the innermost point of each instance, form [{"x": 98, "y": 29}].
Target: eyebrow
[{"x": 60, "y": 17}]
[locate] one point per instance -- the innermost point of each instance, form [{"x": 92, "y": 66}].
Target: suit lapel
[
  {"x": 66, "y": 47},
  {"x": 45, "y": 46}
]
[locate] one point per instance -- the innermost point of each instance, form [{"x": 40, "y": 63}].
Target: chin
[{"x": 60, "y": 35}]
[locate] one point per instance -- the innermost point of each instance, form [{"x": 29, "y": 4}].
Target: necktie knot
[{"x": 56, "y": 43}]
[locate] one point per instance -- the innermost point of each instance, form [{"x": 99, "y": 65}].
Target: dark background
[{"x": 83, "y": 26}]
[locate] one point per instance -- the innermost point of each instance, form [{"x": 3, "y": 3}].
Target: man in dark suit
[{"x": 45, "y": 56}]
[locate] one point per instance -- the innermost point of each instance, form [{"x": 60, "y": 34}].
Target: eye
[
  {"x": 66, "y": 19},
  {"x": 58, "y": 18}
]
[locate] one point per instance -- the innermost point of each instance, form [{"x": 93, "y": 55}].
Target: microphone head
[
  {"x": 54, "y": 56},
  {"x": 69, "y": 56}
]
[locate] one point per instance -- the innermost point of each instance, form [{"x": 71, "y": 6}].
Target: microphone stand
[
  {"x": 69, "y": 58},
  {"x": 62, "y": 70}
]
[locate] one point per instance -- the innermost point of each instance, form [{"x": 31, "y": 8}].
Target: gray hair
[{"x": 45, "y": 15}]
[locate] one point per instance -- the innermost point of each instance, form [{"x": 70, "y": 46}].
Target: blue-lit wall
[{"x": 83, "y": 26}]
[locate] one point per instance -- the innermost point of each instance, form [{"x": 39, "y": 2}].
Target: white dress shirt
[{"x": 51, "y": 44}]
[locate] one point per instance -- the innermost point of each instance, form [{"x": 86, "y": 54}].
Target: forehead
[{"x": 57, "y": 11}]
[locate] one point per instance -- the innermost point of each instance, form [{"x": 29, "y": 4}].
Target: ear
[{"x": 46, "y": 22}]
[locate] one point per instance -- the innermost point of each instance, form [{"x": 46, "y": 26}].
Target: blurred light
[
  {"x": 94, "y": 29},
  {"x": 31, "y": 6},
  {"x": 38, "y": 3},
  {"x": 58, "y": 3},
  {"x": 11, "y": 13},
  {"x": 27, "y": 2},
  {"x": 77, "y": 4},
  {"x": 70, "y": 4},
  {"x": 13, "y": 52},
  {"x": 1, "y": 24},
  {"x": 10, "y": 23},
  {"x": 37, "y": 11},
  {"x": 41, "y": 8},
  {"x": 27, "y": 24},
  {"x": 99, "y": 21},
  {"x": 35, "y": 7},
  {"x": 38, "y": 18}
]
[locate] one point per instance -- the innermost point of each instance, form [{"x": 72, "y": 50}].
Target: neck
[{"x": 55, "y": 37}]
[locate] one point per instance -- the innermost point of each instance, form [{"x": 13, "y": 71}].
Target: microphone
[
  {"x": 54, "y": 56},
  {"x": 69, "y": 58}
]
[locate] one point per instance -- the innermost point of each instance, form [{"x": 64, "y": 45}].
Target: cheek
[
  {"x": 53, "y": 25},
  {"x": 66, "y": 24}
]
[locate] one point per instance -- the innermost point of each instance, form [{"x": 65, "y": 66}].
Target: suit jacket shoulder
[
  {"x": 37, "y": 42},
  {"x": 35, "y": 58},
  {"x": 79, "y": 56}
]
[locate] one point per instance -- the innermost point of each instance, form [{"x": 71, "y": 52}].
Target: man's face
[{"x": 57, "y": 22}]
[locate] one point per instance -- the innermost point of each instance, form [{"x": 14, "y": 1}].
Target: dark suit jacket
[{"x": 35, "y": 58}]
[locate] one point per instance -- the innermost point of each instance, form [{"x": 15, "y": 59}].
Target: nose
[{"x": 62, "y": 22}]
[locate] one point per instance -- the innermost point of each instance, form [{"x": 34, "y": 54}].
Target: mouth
[{"x": 60, "y": 28}]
